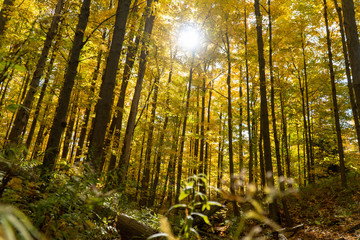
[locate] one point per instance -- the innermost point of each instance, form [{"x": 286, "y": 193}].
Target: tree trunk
[
  {"x": 202, "y": 133},
  {"x": 84, "y": 126},
  {"x": 182, "y": 139},
  {"x": 160, "y": 151},
  {"x": 22, "y": 115},
  {"x": 117, "y": 119},
  {"x": 348, "y": 74},
  {"x": 250, "y": 148},
  {"x": 40, "y": 101},
  {"x": 353, "y": 45},
  {"x": 125, "y": 154},
  {"x": 264, "y": 118},
  {"x": 59, "y": 123},
  {"x": 334, "y": 100},
  {"x": 285, "y": 141},
  {"x": 103, "y": 106},
  {"x": 144, "y": 197},
  {"x": 307, "y": 109},
  {"x": 230, "y": 130}
]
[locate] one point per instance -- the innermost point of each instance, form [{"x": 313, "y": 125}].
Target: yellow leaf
[{"x": 16, "y": 183}]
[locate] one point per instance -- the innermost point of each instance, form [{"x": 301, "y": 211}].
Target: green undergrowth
[{"x": 66, "y": 207}]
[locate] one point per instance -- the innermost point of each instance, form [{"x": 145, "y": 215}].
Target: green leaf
[
  {"x": 178, "y": 206},
  {"x": 12, "y": 107},
  {"x": 183, "y": 195},
  {"x": 203, "y": 216},
  {"x": 214, "y": 203},
  {"x": 20, "y": 68}
]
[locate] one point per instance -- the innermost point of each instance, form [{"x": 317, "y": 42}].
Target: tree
[
  {"x": 59, "y": 123},
  {"x": 264, "y": 119},
  {"x": 334, "y": 99},
  {"x": 22, "y": 115},
  {"x": 353, "y": 45},
  {"x": 103, "y": 106},
  {"x": 125, "y": 153}
]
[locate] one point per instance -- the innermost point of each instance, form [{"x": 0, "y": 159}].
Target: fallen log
[{"x": 128, "y": 227}]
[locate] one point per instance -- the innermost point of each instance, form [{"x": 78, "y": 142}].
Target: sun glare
[{"x": 189, "y": 38}]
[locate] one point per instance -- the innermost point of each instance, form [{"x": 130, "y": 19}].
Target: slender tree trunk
[
  {"x": 334, "y": 100},
  {"x": 69, "y": 128},
  {"x": 264, "y": 119},
  {"x": 348, "y": 74},
  {"x": 161, "y": 143},
  {"x": 276, "y": 140},
  {"x": 306, "y": 142},
  {"x": 88, "y": 110},
  {"x": 220, "y": 154},
  {"x": 207, "y": 147},
  {"x": 125, "y": 154},
  {"x": 241, "y": 140},
  {"x": 182, "y": 139},
  {"x": 40, "y": 101},
  {"x": 103, "y": 106},
  {"x": 22, "y": 115},
  {"x": 307, "y": 110},
  {"x": 140, "y": 165},
  {"x": 202, "y": 133},
  {"x": 353, "y": 45},
  {"x": 117, "y": 119},
  {"x": 59, "y": 122},
  {"x": 173, "y": 158},
  {"x": 285, "y": 141},
  {"x": 230, "y": 130},
  {"x": 144, "y": 197}
]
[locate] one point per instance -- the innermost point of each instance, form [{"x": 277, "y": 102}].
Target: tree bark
[
  {"x": 59, "y": 123},
  {"x": 230, "y": 130},
  {"x": 125, "y": 154},
  {"x": 264, "y": 119},
  {"x": 144, "y": 197},
  {"x": 40, "y": 101},
  {"x": 334, "y": 100},
  {"x": 22, "y": 115},
  {"x": 353, "y": 45},
  {"x": 182, "y": 139},
  {"x": 348, "y": 74},
  {"x": 103, "y": 106}
]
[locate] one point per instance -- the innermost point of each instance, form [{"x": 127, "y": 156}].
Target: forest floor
[{"x": 327, "y": 210}]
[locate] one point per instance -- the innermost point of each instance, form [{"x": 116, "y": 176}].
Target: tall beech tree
[
  {"x": 125, "y": 153},
  {"x": 22, "y": 115},
  {"x": 264, "y": 118},
  {"x": 353, "y": 45},
  {"x": 59, "y": 123},
  {"x": 230, "y": 130},
  {"x": 348, "y": 72},
  {"x": 103, "y": 106},
  {"x": 334, "y": 99}
]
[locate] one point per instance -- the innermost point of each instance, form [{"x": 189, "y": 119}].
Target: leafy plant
[
  {"x": 15, "y": 225},
  {"x": 194, "y": 203}
]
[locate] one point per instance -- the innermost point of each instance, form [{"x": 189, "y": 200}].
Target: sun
[{"x": 189, "y": 38}]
